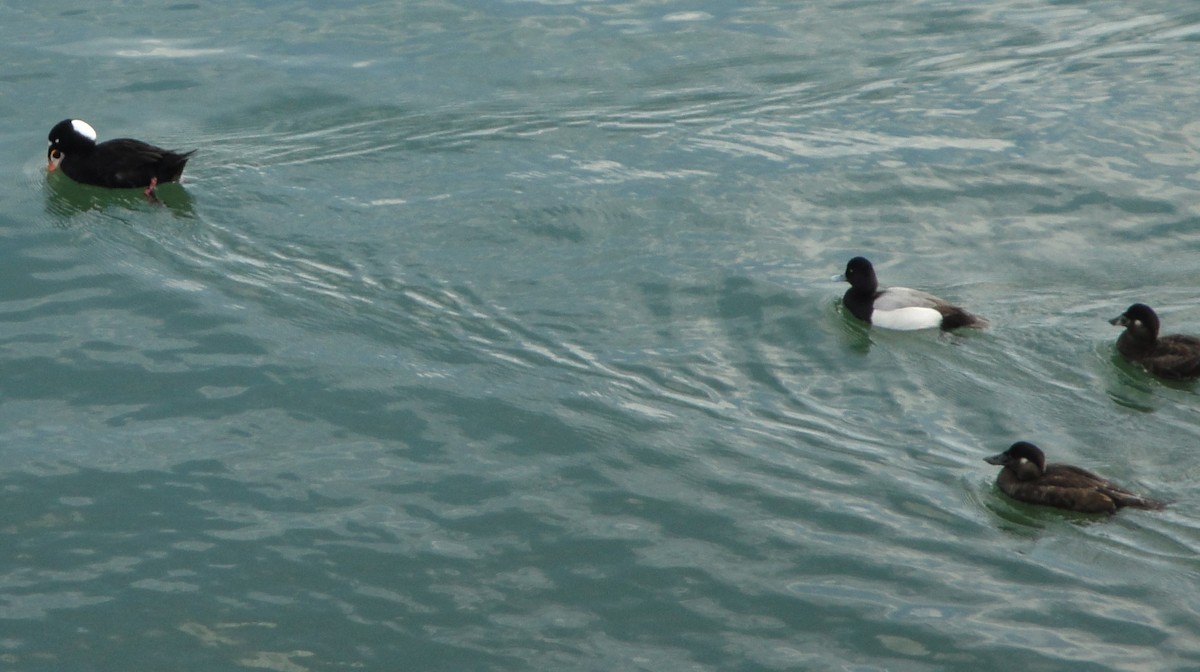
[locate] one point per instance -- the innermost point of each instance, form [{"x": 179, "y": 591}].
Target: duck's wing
[
  {"x": 132, "y": 163},
  {"x": 1175, "y": 356},
  {"x": 1070, "y": 476},
  {"x": 1088, "y": 486},
  {"x": 897, "y": 298}
]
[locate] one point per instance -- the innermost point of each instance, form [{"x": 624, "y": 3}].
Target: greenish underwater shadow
[
  {"x": 66, "y": 198},
  {"x": 1130, "y": 386},
  {"x": 854, "y": 334}
]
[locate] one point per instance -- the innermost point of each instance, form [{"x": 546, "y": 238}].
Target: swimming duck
[
  {"x": 1173, "y": 357},
  {"x": 122, "y": 163},
  {"x": 1026, "y": 477},
  {"x": 899, "y": 307}
]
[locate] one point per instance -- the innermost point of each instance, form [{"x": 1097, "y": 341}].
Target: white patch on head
[
  {"x": 83, "y": 128},
  {"x": 907, "y": 319}
]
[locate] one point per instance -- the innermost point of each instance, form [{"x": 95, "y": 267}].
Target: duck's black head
[
  {"x": 70, "y": 137},
  {"x": 1021, "y": 450},
  {"x": 861, "y": 275},
  {"x": 1139, "y": 319}
]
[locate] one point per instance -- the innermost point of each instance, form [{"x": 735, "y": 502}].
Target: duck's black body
[
  {"x": 1026, "y": 477},
  {"x": 899, "y": 307},
  {"x": 122, "y": 163},
  {"x": 1174, "y": 357}
]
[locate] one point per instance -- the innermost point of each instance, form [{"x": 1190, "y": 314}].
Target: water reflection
[{"x": 67, "y": 198}]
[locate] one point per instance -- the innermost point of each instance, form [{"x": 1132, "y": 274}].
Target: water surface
[{"x": 499, "y": 336}]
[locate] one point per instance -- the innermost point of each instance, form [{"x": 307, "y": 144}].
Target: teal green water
[{"x": 500, "y": 336}]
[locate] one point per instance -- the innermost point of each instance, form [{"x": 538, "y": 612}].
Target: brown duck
[
  {"x": 1174, "y": 357},
  {"x": 1027, "y": 478}
]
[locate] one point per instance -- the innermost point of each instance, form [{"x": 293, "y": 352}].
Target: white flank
[{"x": 907, "y": 319}]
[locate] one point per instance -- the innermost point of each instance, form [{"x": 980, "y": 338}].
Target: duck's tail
[
  {"x": 957, "y": 318},
  {"x": 172, "y": 165}
]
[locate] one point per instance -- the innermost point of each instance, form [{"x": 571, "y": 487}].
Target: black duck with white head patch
[
  {"x": 1174, "y": 357},
  {"x": 1027, "y": 478},
  {"x": 122, "y": 163}
]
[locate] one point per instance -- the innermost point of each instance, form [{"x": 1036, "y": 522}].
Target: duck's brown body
[
  {"x": 1026, "y": 477},
  {"x": 1174, "y": 357}
]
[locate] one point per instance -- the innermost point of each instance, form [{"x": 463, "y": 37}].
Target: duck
[
  {"x": 121, "y": 163},
  {"x": 899, "y": 308},
  {"x": 1027, "y": 478},
  {"x": 1174, "y": 357}
]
